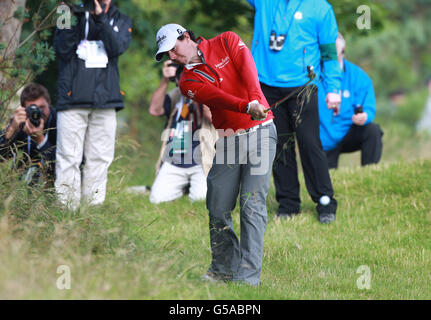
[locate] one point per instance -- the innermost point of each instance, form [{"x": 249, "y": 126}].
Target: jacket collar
[{"x": 202, "y": 44}]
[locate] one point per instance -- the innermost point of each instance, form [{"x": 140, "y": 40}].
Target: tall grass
[{"x": 129, "y": 248}]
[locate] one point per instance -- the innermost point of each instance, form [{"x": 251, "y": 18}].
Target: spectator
[
  {"x": 288, "y": 37},
  {"x": 35, "y": 136},
  {"x": 353, "y": 128},
  {"x": 179, "y": 166},
  {"x": 424, "y": 123},
  {"x": 88, "y": 97},
  {"x": 221, "y": 74}
]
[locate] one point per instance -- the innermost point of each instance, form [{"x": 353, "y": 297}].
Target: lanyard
[
  {"x": 87, "y": 25},
  {"x": 278, "y": 11},
  {"x": 28, "y": 145}
]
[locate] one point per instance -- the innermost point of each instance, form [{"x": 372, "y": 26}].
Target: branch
[
  {"x": 10, "y": 41},
  {"x": 37, "y": 29}
]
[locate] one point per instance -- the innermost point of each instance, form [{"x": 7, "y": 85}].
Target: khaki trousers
[{"x": 84, "y": 134}]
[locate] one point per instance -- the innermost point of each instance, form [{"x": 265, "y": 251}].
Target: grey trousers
[{"x": 242, "y": 165}]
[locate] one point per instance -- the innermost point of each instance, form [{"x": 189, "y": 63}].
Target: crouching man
[
  {"x": 32, "y": 130},
  {"x": 352, "y": 128},
  {"x": 183, "y": 159}
]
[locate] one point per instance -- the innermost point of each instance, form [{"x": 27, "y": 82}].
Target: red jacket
[{"x": 226, "y": 82}]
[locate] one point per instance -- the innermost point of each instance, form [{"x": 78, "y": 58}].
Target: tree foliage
[
  {"x": 397, "y": 55},
  {"x": 394, "y": 51},
  {"x": 31, "y": 55}
]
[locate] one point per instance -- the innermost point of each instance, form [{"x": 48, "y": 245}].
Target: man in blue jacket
[
  {"x": 353, "y": 128},
  {"x": 288, "y": 37}
]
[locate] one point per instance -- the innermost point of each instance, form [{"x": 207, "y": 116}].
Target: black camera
[
  {"x": 175, "y": 65},
  {"x": 86, "y": 5},
  {"x": 359, "y": 109},
  {"x": 34, "y": 113},
  {"x": 276, "y": 43}
]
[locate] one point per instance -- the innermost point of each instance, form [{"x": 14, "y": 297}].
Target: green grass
[{"x": 131, "y": 249}]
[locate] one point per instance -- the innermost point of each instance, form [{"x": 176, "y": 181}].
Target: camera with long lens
[
  {"x": 276, "y": 43},
  {"x": 359, "y": 109},
  {"x": 175, "y": 65},
  {"x": 34, "y": 114}
]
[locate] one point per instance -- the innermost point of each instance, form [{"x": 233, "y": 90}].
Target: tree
[
  {"x": 21, "y": 58},
  {"x": 396, "y": 56},
  {"x": 10, "y": 32},
  {"x": 10, "y": 26}
]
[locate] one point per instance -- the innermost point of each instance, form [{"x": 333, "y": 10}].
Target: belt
[{"x": 253, "y": 129}]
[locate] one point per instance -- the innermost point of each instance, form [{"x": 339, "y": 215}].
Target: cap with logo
[{"x": 167, "y": 37}]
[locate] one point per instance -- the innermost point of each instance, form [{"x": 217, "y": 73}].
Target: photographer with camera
[
  {"x": 88, "y": 97},
  {"x": 177, "y": 170},
  {"x": 32, "y": 130},
  {"x": 352, "y": 128}
]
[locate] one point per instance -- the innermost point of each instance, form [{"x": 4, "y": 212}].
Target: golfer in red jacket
[{"x": 220, "y": 72}]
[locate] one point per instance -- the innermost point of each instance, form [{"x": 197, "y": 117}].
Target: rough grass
[{"x": 131, "y": 249}]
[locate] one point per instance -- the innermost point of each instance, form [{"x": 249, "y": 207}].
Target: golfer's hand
[
  {"x": 257, "y": 110},
  {"x": 333, "y": 101},
  {"x": 360, "y": 118}
]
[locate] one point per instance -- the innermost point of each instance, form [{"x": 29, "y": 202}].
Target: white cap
[{"x": 167, "y": 37}]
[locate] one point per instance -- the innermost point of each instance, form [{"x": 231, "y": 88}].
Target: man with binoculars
[{"x": 32, "y": 129}]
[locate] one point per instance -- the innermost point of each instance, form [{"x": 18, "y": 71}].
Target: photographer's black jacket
[
  {"x": 81, "y": 87},
  {"x": 20, "y": 141}
]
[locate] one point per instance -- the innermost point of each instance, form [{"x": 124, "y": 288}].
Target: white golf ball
[{"x": 324, "y": 200}]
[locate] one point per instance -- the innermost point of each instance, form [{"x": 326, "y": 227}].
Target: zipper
[
  {"x": 200, "y": 54},
  {"x": 253, "y": 48}
]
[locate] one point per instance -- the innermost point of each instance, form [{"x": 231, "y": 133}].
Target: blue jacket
[
  {"x": 357, "y": 89},
  {"x": 311, "y": 31}
]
